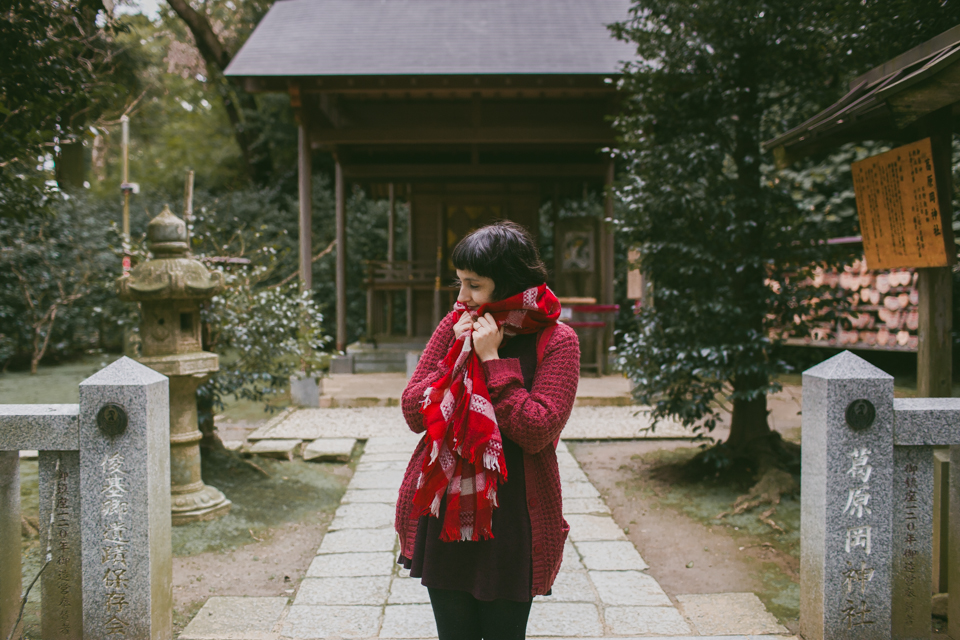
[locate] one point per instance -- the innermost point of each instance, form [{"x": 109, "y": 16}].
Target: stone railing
[
  {"x": 104, "y": 469},
  {"x": 867, "y": 504}
]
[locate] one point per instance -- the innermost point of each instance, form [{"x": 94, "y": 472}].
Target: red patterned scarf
[{"x": 466, "y": 453}]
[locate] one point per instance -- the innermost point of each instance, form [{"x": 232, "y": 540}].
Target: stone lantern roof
[{"x": 172, "y": 274}]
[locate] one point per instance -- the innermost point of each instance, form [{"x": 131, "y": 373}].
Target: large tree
[
  {"x": 725, "y": 245},
  {"x": 61, "y": 72}
]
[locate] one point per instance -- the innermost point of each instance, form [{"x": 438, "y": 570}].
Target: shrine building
[{"x": 474, "y": 110}]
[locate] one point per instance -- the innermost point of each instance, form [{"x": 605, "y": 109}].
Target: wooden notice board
[{"x": 899, "y": 214}]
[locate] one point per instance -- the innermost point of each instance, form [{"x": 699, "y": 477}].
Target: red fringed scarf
[{"x": 466, "y": 453}]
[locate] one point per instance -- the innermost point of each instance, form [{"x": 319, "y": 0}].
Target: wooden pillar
[
  {"x": 934, "y": 355},
  {"x": 410, "y": 327},
  {"x": 437, "y": 312},
  {"x": 608, "y": 265},
  {"x": 341, "y": 264},
  {"x": 606, "y": 233},
  {"x": 306, "y": 225},
  {"x": 391, "y": 253}
]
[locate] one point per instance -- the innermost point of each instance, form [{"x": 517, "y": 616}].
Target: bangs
[{"x": 475, "y": 253}]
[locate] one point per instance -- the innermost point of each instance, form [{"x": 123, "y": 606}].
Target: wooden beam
[
  {"x": 341, "y": 263},
  {"x": 484, "y": 84},
  {"x": 304, "y": 170},
  {"x": 935, "y": 350},
  {"x": 574, "y": 134},
  {"x": 499, "y": 171}
]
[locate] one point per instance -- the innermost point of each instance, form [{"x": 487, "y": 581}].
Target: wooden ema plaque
[{"x": 900, "y": 221}]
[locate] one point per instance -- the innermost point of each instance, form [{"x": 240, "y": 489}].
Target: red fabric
[
  {"x": 466, "y": 453},
  {"x": 532, "y": 419}
]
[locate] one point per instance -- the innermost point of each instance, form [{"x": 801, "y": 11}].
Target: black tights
[{"x": 460, "y": 616}]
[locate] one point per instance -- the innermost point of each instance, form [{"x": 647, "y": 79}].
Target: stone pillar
[
  {"x": 912, "y": 541},
  {"x": 125, "y": 503},
  {"x": 10, "y": 576},
  {"x": 191, "y": 499},
  {"x": 847, "y": 501},
  {"x": 61, "y": 585}
]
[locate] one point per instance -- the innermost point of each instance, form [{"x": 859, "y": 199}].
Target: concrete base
[
  {"x": 341, "y": 364},
  {"x": 305, "y": 391},
  {"x": 207, "y": 503}
]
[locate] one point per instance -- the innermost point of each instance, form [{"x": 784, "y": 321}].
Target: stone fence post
[
  {"x": 847, "y": 501},
  {"x": 866, "y": 531},
  {"x": 105, "y": 508}
]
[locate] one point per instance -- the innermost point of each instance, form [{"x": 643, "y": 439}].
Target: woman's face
[{"x": 475, "y": 290}]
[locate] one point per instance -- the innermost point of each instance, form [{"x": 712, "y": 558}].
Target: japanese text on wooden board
[{"x": 899, "y": 210}]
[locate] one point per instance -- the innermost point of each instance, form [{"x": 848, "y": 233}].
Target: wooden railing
[{"x": 418, "y": 274}]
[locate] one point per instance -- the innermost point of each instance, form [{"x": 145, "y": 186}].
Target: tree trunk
[{"x": 217, "y": 58}]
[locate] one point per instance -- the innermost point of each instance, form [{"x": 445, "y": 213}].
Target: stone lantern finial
[{"x": 167, "y": 234}]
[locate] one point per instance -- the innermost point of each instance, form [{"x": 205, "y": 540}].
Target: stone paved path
[{"x": 355, "y": 589}]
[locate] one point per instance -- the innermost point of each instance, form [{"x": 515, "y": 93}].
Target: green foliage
[
  {"x": 62, "y": 71},
  {"x": 56, "y": 283}
]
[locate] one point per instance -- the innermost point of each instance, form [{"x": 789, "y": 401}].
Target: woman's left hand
[{"x": 487, "y": 337}]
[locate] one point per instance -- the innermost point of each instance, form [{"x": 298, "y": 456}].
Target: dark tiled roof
[
  {"x": 434, "y": 37},
  {"x": 883, "y": 100}
]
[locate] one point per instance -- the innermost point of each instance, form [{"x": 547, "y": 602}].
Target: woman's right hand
[{"x": 463, "y": 324}]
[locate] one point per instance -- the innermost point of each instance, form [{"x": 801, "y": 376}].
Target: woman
[{"x": 479, "y": 513}]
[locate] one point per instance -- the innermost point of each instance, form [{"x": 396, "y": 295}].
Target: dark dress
[{"x": 495, "y": 569}]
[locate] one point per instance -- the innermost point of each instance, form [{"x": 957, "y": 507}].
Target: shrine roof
[
  {"x": 881, "y": 102},
  {"x": 300, "y": 38}
]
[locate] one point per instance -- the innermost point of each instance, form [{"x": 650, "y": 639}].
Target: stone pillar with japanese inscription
[
  {"x": 846, "y": 501},
  {"x": 125, "y": 503},
  {"x": 170, "y": 288},
  {"x": 60, "y": 584}
]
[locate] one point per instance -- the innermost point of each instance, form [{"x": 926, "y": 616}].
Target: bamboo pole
[
  {"x": 341, "y": 264},
  {"x": 305, "y": 170}
]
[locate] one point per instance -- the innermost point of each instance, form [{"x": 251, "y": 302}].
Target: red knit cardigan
[{"x": 532, "y": 419}]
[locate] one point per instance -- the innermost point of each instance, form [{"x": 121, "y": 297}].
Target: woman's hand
[
  {"x": 487, "y": 337},
  {"x": 463, "y": 324}
]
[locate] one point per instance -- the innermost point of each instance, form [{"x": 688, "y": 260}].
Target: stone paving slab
[
  {"x": 408, "y": 590},
  {"x": 370, "y": 515},
  {"x": 645, "y": 621},
  {"x": 408, "y": 621},
  {"x": 578, "y": 490},
  {"x": 614, "y": 555},
  {"x": 309, "y": 622},
  {"x": 284, "y": 449},
  {"x": 347, "y": 540},
  {"x": 571, "y": 586},
  {"x": 377, "y": 479},
  {"x": 589, "y": 527},
  {"x": 369, "y": 590},
  {"x": 386, "y": 496},
  {"x": 333, "y": 565},
  {"x": 724, "y": 613},
  {"x": 332, "y": 449},
  {"x": 585, "y": 505},
  {"x": 629, "y": 588},
  {"x": 564, "y": 619},
  {"x": 236, "y": 618}
]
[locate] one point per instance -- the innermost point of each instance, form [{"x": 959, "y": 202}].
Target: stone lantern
[{"x": 170, "y": 288}]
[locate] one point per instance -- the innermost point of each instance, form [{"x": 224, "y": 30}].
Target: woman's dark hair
[{"x": 504, "y": 252}]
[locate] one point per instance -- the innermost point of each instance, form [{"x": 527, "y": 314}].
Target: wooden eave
[
  {"x": 453, "y": 86},
  {"x": 883, "y": 104}
]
